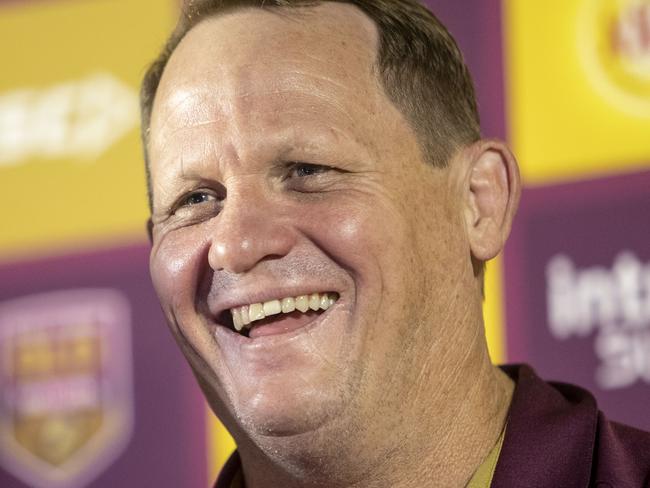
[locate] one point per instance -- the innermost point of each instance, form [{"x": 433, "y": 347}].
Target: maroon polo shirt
[{"x": 556, "y": 437}]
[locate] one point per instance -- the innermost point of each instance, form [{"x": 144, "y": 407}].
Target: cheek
[
  {"x": 366, "y": 237},
  {"x": 175, "y": 265}
]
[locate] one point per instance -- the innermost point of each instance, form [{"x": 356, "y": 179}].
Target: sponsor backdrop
[
  {"x": 93, "y": 391},
  {"x": 577, "y": 268}
]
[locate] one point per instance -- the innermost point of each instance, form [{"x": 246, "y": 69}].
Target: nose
[{"x": 250, "y": 229}]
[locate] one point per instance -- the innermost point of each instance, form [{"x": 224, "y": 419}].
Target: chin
[{"x": 296, "y": 411}]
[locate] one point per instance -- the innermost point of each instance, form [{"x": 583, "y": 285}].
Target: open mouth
[{"x": 277, "y": 316}]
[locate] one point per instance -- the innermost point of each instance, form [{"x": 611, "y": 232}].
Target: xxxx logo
[
  {"x": 614, "y": 41},
  {"x": 65, "y": 385}
]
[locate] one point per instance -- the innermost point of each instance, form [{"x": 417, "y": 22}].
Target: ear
[{"x": 492, "y": 190}]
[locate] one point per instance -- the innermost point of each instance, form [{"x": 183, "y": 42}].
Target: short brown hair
[{"x": 420, "y": 65}]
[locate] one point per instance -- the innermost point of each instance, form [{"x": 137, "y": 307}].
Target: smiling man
[{"x": 322, "y": 206}]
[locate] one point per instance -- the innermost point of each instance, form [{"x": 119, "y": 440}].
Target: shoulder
[
  {"x": 622, "y": 455},
  {"x": 556, "y": 436}
]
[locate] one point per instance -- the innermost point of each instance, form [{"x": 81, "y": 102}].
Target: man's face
[{"x": 279, "y": 170}]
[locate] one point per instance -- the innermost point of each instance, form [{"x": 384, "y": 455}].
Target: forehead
[
  {"x": 253, "y": 87},
  {"x": 329, "y": 33},
  {"x": 280, "y": 49},
  {"x": 256, "y": 63}
]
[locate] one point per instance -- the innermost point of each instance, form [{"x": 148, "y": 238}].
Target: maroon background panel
[
  {"x": 577, "y": 270},
  {"x": 476, "y": 25},
  {"x": 167, "y": 448}
]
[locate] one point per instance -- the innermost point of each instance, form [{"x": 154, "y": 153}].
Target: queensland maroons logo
[
  {"x": 66, "y": 407},
  {"x": 614, "y": 45}
]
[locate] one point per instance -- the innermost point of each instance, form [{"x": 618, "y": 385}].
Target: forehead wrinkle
[
  {"x": 321, "y": 93},
  {"x": 226, "y": 95},
  {"x": 280, "y": 81},
  {"x": 235, "y": 127},
  {"x": 228, "y": 133},
  {"x": 189, "y": 157},
  {"x": 360, "y": 33},
  {"x": 179, "y": 98},
  {"x": 178, "y": 104},
  {"x": 171, "y": 139},
  {"x": 297, "y": 88},
  {"x": 298, "y": 45}
]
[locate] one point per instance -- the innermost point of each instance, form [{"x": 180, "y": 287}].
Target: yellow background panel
[
  {"x": 220, "y": 446},
  {"x": 493, "y": 311},
  {"x": 57, "y": 54},
  {"x": 572, "y": 111}
]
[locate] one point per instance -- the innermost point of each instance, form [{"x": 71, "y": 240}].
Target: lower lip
[{"x": 284, "y": 324}]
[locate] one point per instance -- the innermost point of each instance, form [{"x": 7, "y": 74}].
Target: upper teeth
[{"x": 245, "y": 315}]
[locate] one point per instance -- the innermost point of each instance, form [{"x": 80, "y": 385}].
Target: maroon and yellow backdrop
[{"x": 93, "y": 391}]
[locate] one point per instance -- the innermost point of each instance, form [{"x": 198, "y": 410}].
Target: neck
[
  {"x": 461, "y": 437},
  {"x": 453, "y": 432},
  {"x": 443, "y": 434}
]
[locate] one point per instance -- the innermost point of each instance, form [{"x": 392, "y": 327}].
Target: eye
[
  {"x": 198, "y": 202},
  {"x": 302, "y": 170},
  {"x": 196, "y": 198}
]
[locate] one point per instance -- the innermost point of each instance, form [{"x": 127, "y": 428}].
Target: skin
[{"x": 392, "y": 386}]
